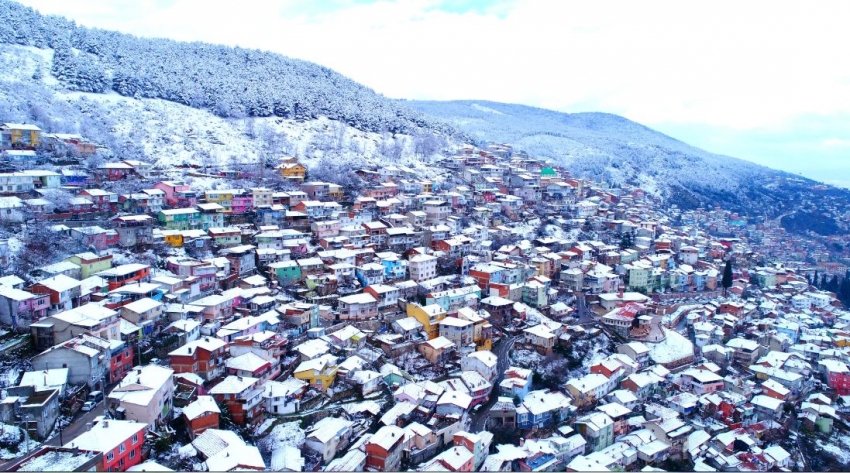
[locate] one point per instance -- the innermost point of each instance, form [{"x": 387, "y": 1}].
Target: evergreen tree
[
  {"x": 626, "y": 241},
  {"x": 844, "y": 290},
  {"x": 823, "y": 283},
  {"x": 726, "y": 282},
  {"x": 815, "y": 280},
  {"x": 832, "y": 286}
]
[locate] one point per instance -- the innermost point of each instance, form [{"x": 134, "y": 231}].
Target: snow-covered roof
[
  {"x": 387, "y": 436},
  {"x": 142, "y": 305},
  {"x": 249, "y": 361},
  {"x": 201, "y": 406},
  {"x": 106, "y": 435},
  {"x": 673, "y": 348},
  {"x": 328, "y": 428},
  {"x": 141, "y": 384},
  {"x": 233, "y": 385},
  {"x": 45, "y": 379}
]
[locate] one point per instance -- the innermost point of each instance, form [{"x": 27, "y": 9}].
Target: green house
[
  {"x": 179, "y": 219},
  {"x": 286, "y": 271}
]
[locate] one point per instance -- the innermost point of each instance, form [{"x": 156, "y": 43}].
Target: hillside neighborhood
[{"x": 491, "y": 313}]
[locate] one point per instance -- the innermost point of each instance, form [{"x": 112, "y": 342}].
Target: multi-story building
[
  {"x": 422, "y": 267},
  {"x": 180, "y": 219},
  {"x": 120, "y": 442},
  {"x": 204, "y": 357},
  {"x": 146, "y": 394},
  {"x": 243, "y": 397},
  {"x": 384, "y": 449}
]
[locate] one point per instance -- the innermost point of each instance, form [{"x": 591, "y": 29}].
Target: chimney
[
  {"x": 521, "y": 441},
  {"x": 105, "y": 423}
]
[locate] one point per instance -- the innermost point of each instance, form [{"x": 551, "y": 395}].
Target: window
[
  {"x": 121, "y": 448},
  {"x": 135, "y": 439},
  {"x": 132, "y": 454},
  {"x": 109, "y": 456}
]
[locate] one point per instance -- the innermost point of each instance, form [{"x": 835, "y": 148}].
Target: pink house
[
  {"x": 177, "y": 194},
  {"x": 243, "y": 202},
  {"x": 21, "y": 308},
  {"x": 95, "y": 237},
  {"x": 325, "y": 229}
]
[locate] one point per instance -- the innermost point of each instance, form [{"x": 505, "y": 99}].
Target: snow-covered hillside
[
  {"x": 608, "y": 147},
  {"x": 230, "y": 82},
  {"x": 169, "y": 133}
]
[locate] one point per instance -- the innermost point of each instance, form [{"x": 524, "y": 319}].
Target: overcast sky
[{"x": 767, "y": 81}]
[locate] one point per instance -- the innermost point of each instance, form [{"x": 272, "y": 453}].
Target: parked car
[
  {"x": 88, "y": 405},
  {"x": 95, "y": 396}
]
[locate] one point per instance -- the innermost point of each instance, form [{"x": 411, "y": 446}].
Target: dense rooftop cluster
[{"x": 496, "y": 314}]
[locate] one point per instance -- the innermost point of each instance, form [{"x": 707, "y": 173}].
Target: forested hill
[{"x": 230, "y": 82}]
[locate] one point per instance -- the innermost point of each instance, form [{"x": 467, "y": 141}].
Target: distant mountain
[
  {"x": 230, "y": 82},
  {"x": 619, "y": 151}
]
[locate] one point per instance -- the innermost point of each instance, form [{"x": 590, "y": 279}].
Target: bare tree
[{"x": 59, "y": 199}]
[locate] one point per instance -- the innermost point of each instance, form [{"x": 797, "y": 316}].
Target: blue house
[
  {"x": 699, "y": 280},
  {"x": 543, "y": 408},
  {"x": 394, "y": 267}
]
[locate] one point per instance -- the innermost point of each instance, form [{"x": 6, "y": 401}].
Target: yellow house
[
  {"x": 429, "y": 316},
  {"x": 427, "y": 187},
  {"x": 293, "y": 171},
  {"x": 173, "y": 238},
  {"x": 482, "y": 330},
  {"x": 335, "y": 192},
  {"x": 17, "y": 135},
  {"x": 319, "y": 372},
  {"x": 222, "y": 197},
  {"x": 91, "y": 263}
]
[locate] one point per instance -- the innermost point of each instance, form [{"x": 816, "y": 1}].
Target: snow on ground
[
  {"x": 560, "y": 233},
  {"x": 11, "y": 440},
  {"x": 288, "y": 433},
  {"x": 528, "y": 359},
  {"x": 366, "y": 406},
  {"x": 838, "y": 446},
  {"x": 266, "y": 425}
]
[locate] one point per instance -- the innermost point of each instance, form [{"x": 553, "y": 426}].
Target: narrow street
[
  {"x": 72, "y": 430},
  {"x": 585, "y": 315},
  {"x": 502, "y": 352}
]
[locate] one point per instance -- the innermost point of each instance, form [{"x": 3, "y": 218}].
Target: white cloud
[{"x": 835, "y": 143}]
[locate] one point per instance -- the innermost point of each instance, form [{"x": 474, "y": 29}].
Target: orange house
[
  {"x": 125, "y": 274},
  {"x": 295, "y": 171}
]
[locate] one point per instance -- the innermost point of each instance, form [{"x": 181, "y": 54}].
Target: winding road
[{"x": 502, "y": 352}]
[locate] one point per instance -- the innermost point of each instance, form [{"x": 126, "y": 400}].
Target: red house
[
  {"x": 116, "y": 171},
  {"x": 120, "y": 441},
  {"x": 202, "y": 414},
  {"x": 121, "y": 362},
  {"x": 775, "y": 390},
  {"x": 204, "y": 357},
  {"x": 243, "y": 397},
  {"x": 839, "y": 376},
  {"x": 383, "y": 450},
  {"x": 606, "y": 368}
]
